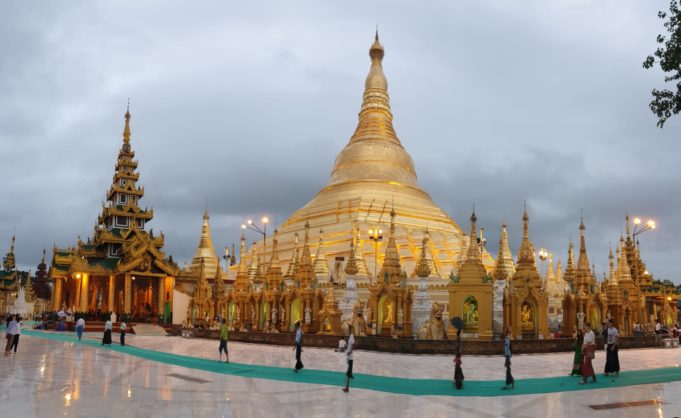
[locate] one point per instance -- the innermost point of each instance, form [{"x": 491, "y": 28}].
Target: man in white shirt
[
  {"x": 123, "y": 328},
  {"x": 612, "y": 361},
  {"x": 348, "y": 352},
  {"x": 80, "y": 327}
]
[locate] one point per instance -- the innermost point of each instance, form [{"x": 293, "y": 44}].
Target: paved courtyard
[{"x": 48, "y": 378}]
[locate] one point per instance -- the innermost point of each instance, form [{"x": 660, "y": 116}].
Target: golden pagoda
[
  {"x": 525, "y": 301},
  {"x": 391, "y": 299},
  {"x": 123, "y": 268},
  {"x": 471, "y": 294},
  {"x": 372, "y": 170}
]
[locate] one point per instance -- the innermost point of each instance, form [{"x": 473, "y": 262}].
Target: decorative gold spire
[
  {"x": 623, "y": 271},
  {"x": 293, "y": 264},
  {"x": 374, "y": 158},
  {"x": 504, "y": 267},
  {"x": 351, "y": 268},
  {"x": 376, "y": 79},
  {"x": 9, "y": 261},
  {"x": 391, "y": 262},
  {"x": 359, "y": 254},
  {"x": 526, "y": 251},
  {"x": 253, "y": 268},
  {"x": 549, "y": 271},
  {"x": 472, "y": 270},
  {"x": 570, "y": 267},
  {"x": 422, "y": 268},
  {"x": 320, "y": 265},
  {"x": 305, "y": 273},
  {"x": 583, "y": 273},
  {"x": 241, "y": 281},
  {"x": 126, "y": 130},
  {"x": 612, "y": 280},
  {"x": 205, "y": 250}
]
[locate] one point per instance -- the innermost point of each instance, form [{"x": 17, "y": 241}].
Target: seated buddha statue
[{"x": 526, "y": 318}]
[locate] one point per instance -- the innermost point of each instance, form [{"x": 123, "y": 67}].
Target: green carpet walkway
[{"x": 407, "y": 386}]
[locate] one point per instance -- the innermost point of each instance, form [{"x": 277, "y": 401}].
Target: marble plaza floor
[{"x": 48, "y": 378}]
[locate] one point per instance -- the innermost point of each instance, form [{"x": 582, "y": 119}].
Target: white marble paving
[
  {"x": 412, "y": 366},
  {"x": 51, "y": 379}
]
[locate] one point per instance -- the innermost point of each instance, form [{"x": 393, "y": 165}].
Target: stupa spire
[
  {"x": 526, "y": 251},
  {"x": 504, "y": 267},
  {"x": 583, "y": 274},
  {"x": 320, "y": 265},
  {"x": 305, "y": 273},
  {"x": 391, "y": 262},
  {"x": 623, "y": 270},
  {"x": 351, "y": 267},
  {"x": 205, "y": 250},
  {"x": 422, "y": 268},
  {"x": 126, "y": 129},
  {"x": 472, "y": 270},
  {"x": 274, "y": 274}
]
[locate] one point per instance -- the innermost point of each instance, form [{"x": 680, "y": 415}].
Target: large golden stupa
[{"x": 372, "y": 175}]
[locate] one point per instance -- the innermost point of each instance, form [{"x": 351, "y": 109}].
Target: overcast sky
[{"x": 247, "y": 105}]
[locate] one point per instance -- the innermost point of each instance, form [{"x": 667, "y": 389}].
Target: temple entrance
[
  {"x": 528, "y": 320},
  {"x": 144, "y": 297},
  {"x": 296, "y": 313}
]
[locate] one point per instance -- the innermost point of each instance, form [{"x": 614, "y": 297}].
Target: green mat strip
[{"x": 399, "y": 385}]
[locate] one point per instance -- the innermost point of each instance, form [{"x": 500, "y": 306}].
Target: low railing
[{"x": 413, "y": 346}]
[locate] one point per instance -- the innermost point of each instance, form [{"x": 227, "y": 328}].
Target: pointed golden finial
[
  {"x": 126, "y": 130},
  {"x": 422, "y": 267},
  {"x": 376, "y": 79}
]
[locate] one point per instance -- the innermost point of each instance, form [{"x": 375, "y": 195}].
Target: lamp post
[
  {"x": 250, "y": 225},
  {"x": 543, "y": 255},
  {"x": 376, "y": 235}
]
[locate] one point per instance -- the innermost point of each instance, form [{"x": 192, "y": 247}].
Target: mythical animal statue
[
  {"x": 434, "y": 328},
  {"x": 357, "y": 322}
]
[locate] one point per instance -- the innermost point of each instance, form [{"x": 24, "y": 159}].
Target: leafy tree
[{"x": 668, "y": 55}]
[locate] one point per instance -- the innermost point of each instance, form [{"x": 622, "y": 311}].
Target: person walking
[
  {"x": 348, "y": 353},
  {"x": 224, "y": 334},
  {"x": 80, "y": 327},
  {"x": 588, "y": 354},
  {"x": 298, "y": 347},
  {"x": 9, "y": 334},
  {"x": 108, "y": 326},
  {"x": 612, "y": 361},
  {"x": 123, "y": 327},
  {"x": 577, "y": 361},
  {"x": 16, "y": 332},
  {"x": 510, "y": 382}
]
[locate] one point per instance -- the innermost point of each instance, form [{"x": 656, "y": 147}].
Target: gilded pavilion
[{"x": 123, "y": 268}]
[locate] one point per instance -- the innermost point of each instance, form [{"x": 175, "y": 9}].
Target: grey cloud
[{"x": 248, "y": 106}]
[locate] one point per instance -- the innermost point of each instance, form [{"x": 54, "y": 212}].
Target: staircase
[{"x": 149, "y": 330}]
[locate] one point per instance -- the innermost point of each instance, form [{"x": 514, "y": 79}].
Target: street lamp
[
  {"x": 543, "y": 255},
  {"x": 376, "y": 235},
  {"x": 250, "y": 225},
  {"x": 647, "y": 227}
]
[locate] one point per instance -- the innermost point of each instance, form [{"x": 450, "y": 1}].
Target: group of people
[
  {"x": 346, "y": 348},
  {"x": 108, "y": 328},
  {"x": 12, "y": 333},
  {"x": 585, "y": 352}
]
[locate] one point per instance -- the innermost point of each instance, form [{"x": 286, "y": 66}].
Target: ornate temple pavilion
[{"x": 122, "y": 268}]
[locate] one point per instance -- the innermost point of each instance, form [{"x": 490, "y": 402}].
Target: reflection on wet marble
[{"x": 49, "y": 379}]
